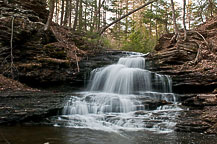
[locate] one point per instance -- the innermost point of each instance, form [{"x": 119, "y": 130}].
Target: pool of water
[{"x": 60, "y": 135}]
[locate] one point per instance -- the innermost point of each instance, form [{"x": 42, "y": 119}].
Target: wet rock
[
  {"x": 199, "y": 120},
  {"x": 202, "y": 100},
  {"x": 209, "y": 115},
  {"x": 194, "y": 77},
  {"x": 202, "y": 115},
  {"x": 153, "y": 104},
  {"x": 141, "y": 113},
  {"x": 198, "y": 126},
  {"x": 97, "y": 60},
  {"x": 16, "y": 107},
  {"x": 178, "y": 59}
]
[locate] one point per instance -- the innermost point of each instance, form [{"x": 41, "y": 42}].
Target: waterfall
[{"x": 119, "y": 96}]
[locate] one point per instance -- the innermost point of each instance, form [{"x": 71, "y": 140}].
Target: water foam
[{"x": 117, "y": 96}]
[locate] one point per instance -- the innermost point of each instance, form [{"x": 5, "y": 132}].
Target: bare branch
[{"x": 131, "y": 12}]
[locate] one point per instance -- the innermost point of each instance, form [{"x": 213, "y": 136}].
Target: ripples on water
[{"x": 54, "y": 135}]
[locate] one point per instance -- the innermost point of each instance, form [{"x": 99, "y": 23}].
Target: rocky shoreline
[{"x": 33, "y": 107}]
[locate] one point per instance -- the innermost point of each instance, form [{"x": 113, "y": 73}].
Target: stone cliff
[
  {"x": 192, "y": 64},
  {"x": 43, "y": 58}
]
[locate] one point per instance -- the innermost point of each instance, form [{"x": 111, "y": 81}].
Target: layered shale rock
[{"x": 192, "y": 66}]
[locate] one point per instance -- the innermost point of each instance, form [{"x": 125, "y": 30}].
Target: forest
[
  {"x": 137, "y": 32},
  {"x": 108, "y": 71}
]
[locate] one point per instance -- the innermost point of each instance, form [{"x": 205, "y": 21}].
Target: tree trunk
[
  {"x": 150, "y": 25},
  {"x": 156, "y": 29},
  {"x": 91, "y": 20},
  {"x": 104, "y": 16},
  {"x": 56, "y": 12},
  {"x": 85, "y": 16},
  {"x": 76, "y": 15},
  {"x": 156, "y": 22},
  {"x": 126, "y": 22},
  {"x": 174, "y": 19},
  {"x": 62, "y": 12},
  {"x": 5, "y": 2},
  {"x": 211, "y": 8},
  {"x": 66, "y": 13},
  {"x": 189, "y": 11},
  {"x": 124, "y": 16},
  {"x": 70, "y": 13},
  {"x": 183, "y": 19},
  {"x": 50, "y": 17},
  {"x": 80, "y": 15},
  {"x": 95, "y": 15},
  {"x": 99, "y": 15}
]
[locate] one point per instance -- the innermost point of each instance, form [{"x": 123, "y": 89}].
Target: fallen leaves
[{"x": 10, "y": 84}]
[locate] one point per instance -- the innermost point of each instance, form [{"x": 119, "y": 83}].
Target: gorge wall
[
  {"x": 44, "y": 58},
  {"x": 192, "y": 64}
]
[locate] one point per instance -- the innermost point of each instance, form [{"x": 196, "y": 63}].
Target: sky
[{"x": 180, "y": 1}]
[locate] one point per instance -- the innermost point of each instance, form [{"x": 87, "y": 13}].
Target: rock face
[
  {"x": 22, "y": 25},
  {"x": 97, "y": 60},
  {"x": 18, "y": 107},
  {"x": 191, "y": 63},
  {"x": 41, "y": 58},
  {"x": 192, "y": 66}
]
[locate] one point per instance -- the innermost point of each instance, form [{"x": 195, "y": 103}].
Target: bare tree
[
  {"x": 211, "y": 7},
  {"x": 174, "y": 19},
  {"x": 124, "y": 16},
  {"x": 183, "y": 18},
  {"x": 66, "y": 13},
  {"x": 80, "y": 15},
  {"x": 50, "y": 17},
  {"x": 174, "y": 22},
  {"x": 62, "y": 12},
  {"x": 70, "y": 13},
  {"x": 76, "y": 15}
]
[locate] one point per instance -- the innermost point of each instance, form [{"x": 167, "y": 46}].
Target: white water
[{"x": 119, "y": 97}]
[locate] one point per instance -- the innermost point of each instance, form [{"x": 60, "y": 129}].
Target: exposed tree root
[
  {"x": 197, "y": 56},
  {"x": 202, "y": 37},
  {"x": 200, "y": 47},
  {"x": 8, "y": 61}
]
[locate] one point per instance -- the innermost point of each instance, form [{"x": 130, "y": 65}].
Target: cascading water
[{"x": 121, "y": 97}]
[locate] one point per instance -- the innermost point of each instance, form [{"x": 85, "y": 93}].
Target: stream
[
  {"x": 124, "y": 103},
  {"x": 61, "y": 135},
  {"x": 121, "y": 97}
]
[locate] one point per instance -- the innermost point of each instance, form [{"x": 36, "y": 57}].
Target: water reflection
[{"x": 54, "y": 135}]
